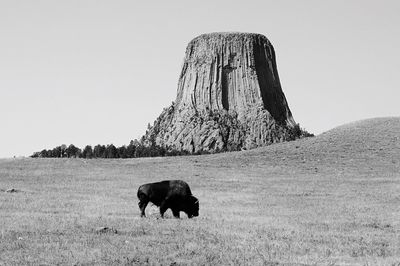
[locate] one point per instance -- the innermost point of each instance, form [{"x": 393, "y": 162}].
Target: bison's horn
[{"x": 197, "y": 201}]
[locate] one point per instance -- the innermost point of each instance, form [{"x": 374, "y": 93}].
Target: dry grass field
[{"x": 329, "y": 200}]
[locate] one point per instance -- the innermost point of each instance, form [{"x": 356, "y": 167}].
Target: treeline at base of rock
[{"x": 133, "y": 150}]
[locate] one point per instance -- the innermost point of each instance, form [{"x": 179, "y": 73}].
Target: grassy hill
[{"x": 329, "y": 200}]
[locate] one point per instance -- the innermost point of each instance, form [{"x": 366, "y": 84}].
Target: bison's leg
[
  {"x": 142, "y": 206},
  {"x": 163, "y": 207},
  {"x": 175, "y": 212}
]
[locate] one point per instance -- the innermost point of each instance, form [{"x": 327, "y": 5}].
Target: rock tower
[{"x": 229, "y": 98}]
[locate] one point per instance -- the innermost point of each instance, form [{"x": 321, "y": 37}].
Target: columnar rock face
[{"x": 229, "y": 97}]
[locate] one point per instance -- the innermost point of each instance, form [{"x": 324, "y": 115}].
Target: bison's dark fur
[{"x": 173, "y": 194}]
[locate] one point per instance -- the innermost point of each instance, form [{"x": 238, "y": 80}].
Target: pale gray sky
[{"x": 90, "y": 72}]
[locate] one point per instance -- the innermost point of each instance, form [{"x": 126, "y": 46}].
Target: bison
[{"x": 173, "y": 194}]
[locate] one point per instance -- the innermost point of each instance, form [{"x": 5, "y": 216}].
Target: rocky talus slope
[{"x": 229, "y": 98}]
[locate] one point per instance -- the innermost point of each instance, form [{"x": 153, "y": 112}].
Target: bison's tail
[{"x": 140, "y": 194}]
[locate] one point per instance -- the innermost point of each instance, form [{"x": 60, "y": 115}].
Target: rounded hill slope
[
  {"x": 371, "y": 144},
  {"x": 374, "y": 137},
  {"x": 375, "y": 134},
  {"x": 370, "y": 135}
]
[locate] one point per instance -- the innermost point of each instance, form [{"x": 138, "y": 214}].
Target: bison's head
[{"x": 193, "y": 209}]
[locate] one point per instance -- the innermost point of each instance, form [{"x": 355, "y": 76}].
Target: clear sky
[{"x": 97, "y": 72}]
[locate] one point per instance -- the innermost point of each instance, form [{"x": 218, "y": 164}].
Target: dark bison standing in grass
[{"x": 173, "y": 194}]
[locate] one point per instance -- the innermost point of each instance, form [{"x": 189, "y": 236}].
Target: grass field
[{"x": 329, "y": 200}]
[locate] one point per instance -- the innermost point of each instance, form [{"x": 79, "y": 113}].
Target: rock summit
[{"x": 229, "y": 97}]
